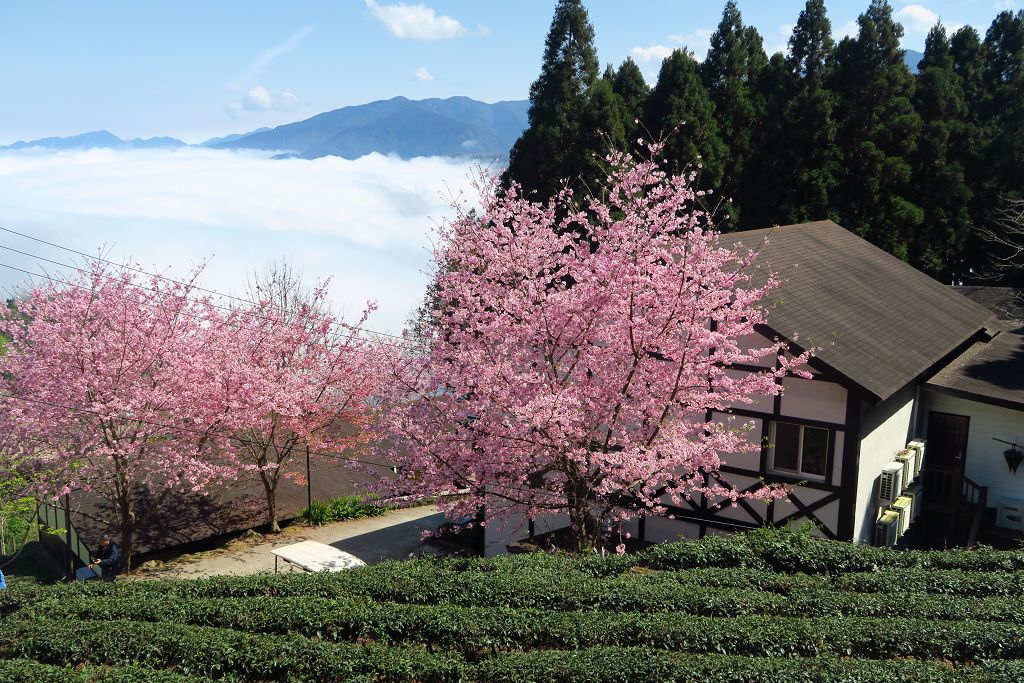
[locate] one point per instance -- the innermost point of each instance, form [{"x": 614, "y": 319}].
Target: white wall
[
  {"x": 984, "y": 462},
  {"x": 884, "y": 430},
  {"x": 813, "y": 400}
]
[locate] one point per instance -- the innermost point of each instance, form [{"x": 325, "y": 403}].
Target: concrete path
[{"x": 394, "y": 535}]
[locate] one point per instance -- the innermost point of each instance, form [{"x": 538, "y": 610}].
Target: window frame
[{"x": 799, "y": 472}]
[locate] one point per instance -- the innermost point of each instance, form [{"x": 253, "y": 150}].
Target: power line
[
  {"x": 150, "y": 289},
  {"x": 155, "y": 275}
]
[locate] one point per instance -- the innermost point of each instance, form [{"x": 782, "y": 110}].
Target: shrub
[{"x": 341, "y": 508}]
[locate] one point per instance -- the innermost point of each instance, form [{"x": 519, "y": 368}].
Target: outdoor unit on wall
[
  {"x": 887, "y": 529},
  {"x": 904, "y": 507},
  {"x": 918, "y": 446},
  {"x": 916, "y": 494},
  {"x": 907, "y": 457},
  {"x": 890, "y": 484},
  {"x": 1010, "y": 514}
]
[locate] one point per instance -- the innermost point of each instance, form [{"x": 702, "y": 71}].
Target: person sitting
[{"x": 108, "y": 558}]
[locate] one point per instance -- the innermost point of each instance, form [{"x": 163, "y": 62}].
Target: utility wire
[
  {"x": 155, "y": 275},
  {"x": 150, "y": 289}
]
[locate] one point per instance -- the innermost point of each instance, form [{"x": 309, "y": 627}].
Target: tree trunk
[
  {"x": 127, "y": 537},
  {"x": 270, "y": 489}
]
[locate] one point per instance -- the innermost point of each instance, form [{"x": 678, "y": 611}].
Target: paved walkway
[{"x": 394, "y": 535}]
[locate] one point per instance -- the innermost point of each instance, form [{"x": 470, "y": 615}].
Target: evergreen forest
[{"x": 926, "y": 164}]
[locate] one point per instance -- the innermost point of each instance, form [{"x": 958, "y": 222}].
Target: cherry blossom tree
[
  {"x": 298, "y": 377},
  {"x": 306, "y": 386},
  {"x": 578, "y": 353},
  {"x": 111, "y": 382}
]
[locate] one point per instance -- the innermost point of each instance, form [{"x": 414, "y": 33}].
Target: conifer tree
[
  {"x": 550, "y": 150},
  {"x": 1004, "y": 85},
  {"x": 734, "y": 62},
  {"x": 767, "y": 183},
  {"x": 940, "y": 183},
  {"x": 877, "y": 133},
  {"x": 809, "y": 139},
  {"x": 629, "y": 84},
  {"x": 680, "y": 111}
]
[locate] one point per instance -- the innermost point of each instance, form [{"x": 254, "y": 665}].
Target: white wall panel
[
  {"x": 813, "y": 399},
  {"x": 984, "y": 461},
  {"x": 660, "y": 529},
  {"x": 885, "y": 429}
]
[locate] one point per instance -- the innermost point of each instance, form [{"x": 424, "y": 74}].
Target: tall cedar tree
[
  {"x": 629, "y": 84},
  {"x": 940, "y": 186},
  {"x": 969, "y": 66},
  {"x": 877, "y": 133},
  {"x": 809, "y": 137},
  {"x": 734, "y": 62},
  {"x": 569, "y": 122},
  {"x": 1004, "y": 112},
  {"x": 680, "y": 111},
  {"x": 768, "y": 177}
]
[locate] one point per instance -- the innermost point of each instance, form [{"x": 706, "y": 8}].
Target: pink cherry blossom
[{"x": 577, "y": 354}]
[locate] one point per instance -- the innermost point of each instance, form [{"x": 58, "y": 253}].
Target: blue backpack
[{"x": 3, "y": 583}]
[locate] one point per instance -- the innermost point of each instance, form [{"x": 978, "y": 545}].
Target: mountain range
[{"x": 453, "y": 127}]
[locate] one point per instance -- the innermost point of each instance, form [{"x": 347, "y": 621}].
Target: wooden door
[{"x": 944, "y": 457}]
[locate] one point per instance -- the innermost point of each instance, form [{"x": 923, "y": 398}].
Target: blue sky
[{"x": 195, "y": 70}]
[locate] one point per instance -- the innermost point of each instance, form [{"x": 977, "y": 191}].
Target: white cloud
[
  {"x": 268, "y": 56},
  {"x": 365, "y": 222},
  {"x": 258, "y": 98},
  {"x": 698, "y": 42},
  {"x": 418, "y": 22},
  {"x": 1001, "y": 5},
  {"x": 916, "y": 18},
  {"x": 654, "y": 53},
  {"x": 850, "y": 28},
  {"x": 423, "y": 74}
]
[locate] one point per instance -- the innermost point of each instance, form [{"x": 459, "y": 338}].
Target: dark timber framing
[{"x": 706, "y": 516}]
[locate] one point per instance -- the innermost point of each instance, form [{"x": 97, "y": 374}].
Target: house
[{"x": 899, "y": 357}]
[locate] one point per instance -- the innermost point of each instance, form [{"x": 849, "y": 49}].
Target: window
[{"x": 798, "y": 449}]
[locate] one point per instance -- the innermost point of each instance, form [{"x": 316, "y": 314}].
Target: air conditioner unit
[
  {"x": 890, "y": 484},
  {"x": 916, "y": 493},
  {"x": 904, "y": 507},
  {"x": 907, "y": 457},
  {"x": 918, "y": 446},
  {"x": 887, "y": 529},
  {"x": 1010, "y": 514}
]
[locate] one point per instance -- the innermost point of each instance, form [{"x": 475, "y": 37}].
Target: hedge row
[
  {"x": 612, "y": 665},
  {"x": 474, "y": 631},
  {"x": 419, "y": 582},
  {"x": 28, "y": 671},
  {"x": 351, "y": 618},
  {"x": 785, "y": 550},
  {"x": 593, "y": 665},
  {"x": 213, "y": 652}
]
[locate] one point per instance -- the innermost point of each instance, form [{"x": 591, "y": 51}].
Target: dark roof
[
  {"x": 874, "y": 318},
  {"x": 1007, "y": 303},
  {"x": 991, "y": 371}
]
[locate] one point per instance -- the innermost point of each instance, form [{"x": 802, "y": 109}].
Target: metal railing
[
  {"x": 56, "y": 520},
  {"x": 976, "y": 495}
]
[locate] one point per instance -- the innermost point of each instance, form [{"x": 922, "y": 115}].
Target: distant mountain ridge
[
  {"x": 453, "y": 127},
  {"x": 97, "y": 138}
]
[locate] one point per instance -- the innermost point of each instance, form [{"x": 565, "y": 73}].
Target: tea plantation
[{"x": 768, "y": 606}]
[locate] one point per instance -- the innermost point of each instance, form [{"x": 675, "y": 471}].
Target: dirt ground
[{"x": 394, "y": 535}]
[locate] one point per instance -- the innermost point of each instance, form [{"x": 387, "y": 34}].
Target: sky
[{"x": 196, "y": 70}]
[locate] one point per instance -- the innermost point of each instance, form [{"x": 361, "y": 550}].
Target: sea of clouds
[{"x": 364, "y": 223}]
